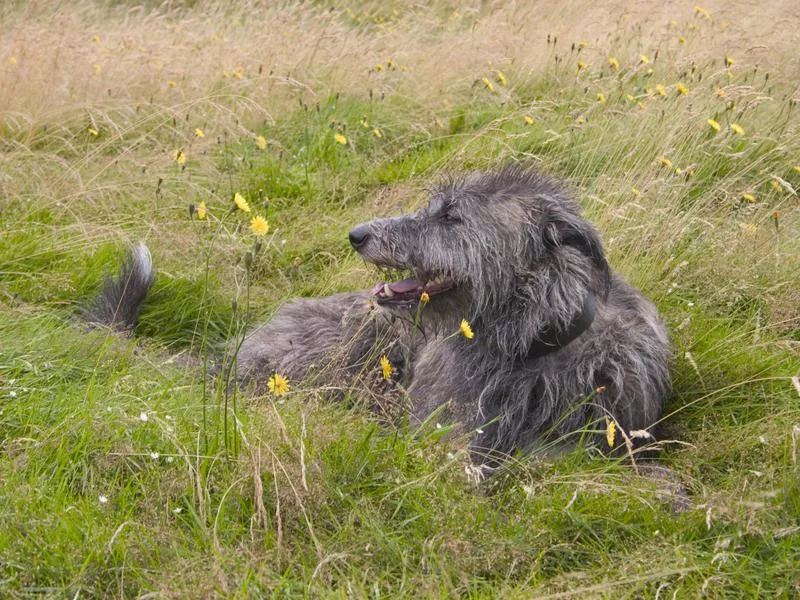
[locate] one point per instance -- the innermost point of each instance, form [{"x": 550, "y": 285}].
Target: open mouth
[{"x": 407, "y": 292}]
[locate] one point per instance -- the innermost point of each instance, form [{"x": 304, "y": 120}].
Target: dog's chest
[{"x": 441, "y": 377}]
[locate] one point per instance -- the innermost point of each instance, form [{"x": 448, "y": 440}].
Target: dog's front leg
[{"x": 306, "y": 338}]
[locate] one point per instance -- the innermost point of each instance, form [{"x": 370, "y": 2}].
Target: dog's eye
[
  {"x": 449, "y": 217},
  {"x": 447, "y": 213}
]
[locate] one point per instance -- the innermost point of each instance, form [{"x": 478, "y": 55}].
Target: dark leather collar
[{"x": 551, "y": 339}]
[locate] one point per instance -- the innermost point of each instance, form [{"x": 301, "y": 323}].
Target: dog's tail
[{"x": 119, "y": 302}]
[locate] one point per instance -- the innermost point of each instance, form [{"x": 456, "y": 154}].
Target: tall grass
[{"x": 123, "y": 475}]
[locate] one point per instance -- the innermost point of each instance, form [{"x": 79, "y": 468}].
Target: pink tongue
[{"x": 406, "y": 285}]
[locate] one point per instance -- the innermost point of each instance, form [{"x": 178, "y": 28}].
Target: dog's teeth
[{"x": 387, "y": 290}]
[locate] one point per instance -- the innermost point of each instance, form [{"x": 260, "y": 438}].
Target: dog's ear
[{"x": 563, "y": 228}]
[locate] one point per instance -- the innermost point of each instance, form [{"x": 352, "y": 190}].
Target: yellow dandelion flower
[
  {"x": 601, "y": 98},
  {"x": 580, "y": 120},
  {"x": 386, "y": 368},
  {"x": 340, "y": 139},
  {"x": 12, "y": 60},
  {"x": 643, "y": 59},
  {"x": 261, "y": 142},
  {"x": 199, "y": 133},
  {"x": 466, "y": 330},
  {"x": 636, "y": 191},
  {"x": 379, "y": 67},
  {"x": 424, "y": 298},
  {"x": 611, "y": 432},
  {"x": 364, "y": 122},
  {"x": 719, "y": 91},
  {"x": 641, "y": 105},
  {"x": 179, "y": 156},
  {"x": 240, "y": 202},
  {"x": 171, "y": 83},
  {"x": 776, "y": 184},
  {"x": 201, "y": 211},
  {"x": 702, "y": 12},
  {"x": 681, "y": 40},
  {"x": 613, "y": 63},
  {"x": 582, "y": 45},
  {"x": 581, "y": 66},
  {"x": 96, "y": 39},
  {"x": 729, "y": 62},
  {"x": 748, "y": 198},
  {"x": 93, "y": 131},
  {"x": 501, "y": 78},
  {"x": 377, "y": 133},
  {"x": 278, "y": 385},
  {"x": 489, "y": 85},
  {"x": 528, "y": 120},
  {"x": 630, "y": 98},
  {"x": 259, "y": 225},
  {"x": 713, "y": 124},
  {"x": 660, "y": 90},
  {"x": 796, "y": 168},
  {"x": 238, "y": 73},
  {"x": 650, "y": 71},
  {"x": 681, "y": 89},
  {"x": 736, "y": 128},
  {"x": 665, "y": 162},
  {"x": 678, "y": 170}
]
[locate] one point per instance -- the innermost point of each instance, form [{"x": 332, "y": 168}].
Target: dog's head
[{"x": 506, "y": 250}]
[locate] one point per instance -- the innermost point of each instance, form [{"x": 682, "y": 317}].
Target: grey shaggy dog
[{"x": 561, "y": 342}]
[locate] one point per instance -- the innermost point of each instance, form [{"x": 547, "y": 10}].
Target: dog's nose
[{"x": 359, "y": 236}]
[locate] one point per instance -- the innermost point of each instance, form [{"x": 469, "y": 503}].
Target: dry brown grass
[{"x": 282, "y": 53}]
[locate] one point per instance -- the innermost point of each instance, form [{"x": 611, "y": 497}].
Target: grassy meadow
[{"x": 124, "y": 474}]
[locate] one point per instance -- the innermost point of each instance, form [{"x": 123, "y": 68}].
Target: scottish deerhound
[{"x": 561, "y": 343}]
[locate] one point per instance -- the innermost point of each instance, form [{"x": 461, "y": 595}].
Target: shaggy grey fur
[
  {"x": 561, "y": 341},
  {"x": 521, "y": 262}
]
